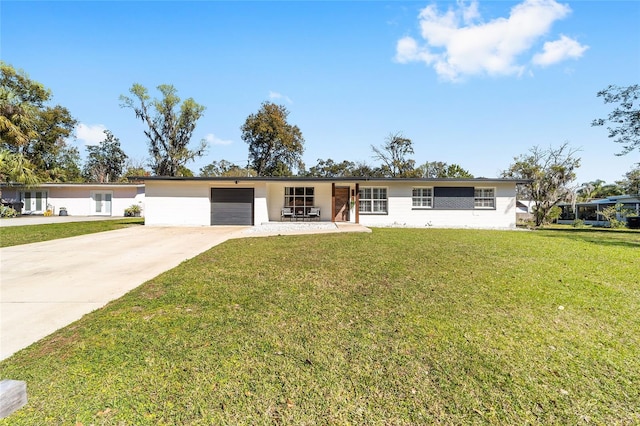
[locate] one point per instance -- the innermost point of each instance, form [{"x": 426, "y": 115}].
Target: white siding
[
  {"x": 77, "y": 197},
  {"x": 401, "y": 212},
  {"x": 261, "y": 207},
  {"x": 188, "y": 203},
  {"x": 174, "y": 203}
]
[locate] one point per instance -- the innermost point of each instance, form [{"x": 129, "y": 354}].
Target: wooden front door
[{"x": 341, "y": 209}]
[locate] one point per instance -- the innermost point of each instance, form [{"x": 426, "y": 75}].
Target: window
[
  {"x": 373, "y": 200},
  {"x": 422, "y": 198},
  {"x": 298, "y": 196},
  {"x": 484, "y": 198}
]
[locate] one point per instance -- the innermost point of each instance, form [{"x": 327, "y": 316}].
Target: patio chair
[
  {"x": 314, "y": 213},
  {"x": 286, "y": 212}
]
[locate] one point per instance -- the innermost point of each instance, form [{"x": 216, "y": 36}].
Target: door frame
[
  {"x": 92, "y": 199},
  {"x": 333, "y": 202},
  {"x": 44, "y": 200}
]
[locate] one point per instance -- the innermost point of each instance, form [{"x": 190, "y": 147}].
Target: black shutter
[{"x": 453, "y": 197}]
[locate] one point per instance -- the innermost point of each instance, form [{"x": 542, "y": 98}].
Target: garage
[{"x": 232, "y": 206}]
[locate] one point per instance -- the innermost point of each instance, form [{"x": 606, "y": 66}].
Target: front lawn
[
  {"x": 400, "y": 326},
  {"x": 16, "y": 235}
]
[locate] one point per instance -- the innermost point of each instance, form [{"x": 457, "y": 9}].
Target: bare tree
[
  {"x": 394, "y": 156},
  {"x": 170, "y": 127},
  {"x": 548, "y": 173}
]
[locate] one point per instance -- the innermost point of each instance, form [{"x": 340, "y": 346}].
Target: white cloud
[
  {"x": 213, "y": 140},
  {"x": 91, "y": 134},
  {"x": 559, "y": 50},
  {"x": 276, "y": 95},
  {"x": 407, "y": 50},
  {"x": 457, "y": 43}
]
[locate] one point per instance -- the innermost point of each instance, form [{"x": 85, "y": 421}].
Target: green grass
[
  {"x": 16, "y": 235},
  {"x": 401, "y": 326}
]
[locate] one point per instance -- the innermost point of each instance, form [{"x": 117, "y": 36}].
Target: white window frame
[
  {"x": 373, "y": 204},
  {"x": 299, "y": 196},
  {"x": 484, "y": 198},
  {"x": 421, "y": 201}
]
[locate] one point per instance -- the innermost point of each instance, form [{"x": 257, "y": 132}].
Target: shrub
[
  {"x": 612, "y": 213},
  {"x": 8, "y": 212},
  {"x": 132, "y": 210},
  {"x": 578, "y": 223},
  {"x": 616, "y": 224}
]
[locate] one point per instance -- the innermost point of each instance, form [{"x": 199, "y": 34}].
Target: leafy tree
[
  {"x": 133, "y": 168},
  {"x": 275, "y": 146},
  {"x": 441, "y": 170},
  {"x": 170, "y": 127},
  {"x": 105, "y": 161},
  {"x": 20, "y": 101},
  {"x": 631, "y": 183},
  {"x": 329, "y": 169},
  {"x": 588, "y": 190},
  {"x": 68, "y": 166},
  {"x": 50, "y": 149},
  {"x": 456, "y": 171},
  {"x": 225, "y": 168},
  {"x": 393, "y": 155},
  {"x": 185, "y": 172},
  {"x": 15, "y": 168},
  {"x": 598, "y": 189},
  {"x": 35, "y": 130},
  {"x": 362, "y": 169},
  {"x": 609, "y": 190},
  {"x": 549, "y": 172},
  {"x": 625, "y": 118}
]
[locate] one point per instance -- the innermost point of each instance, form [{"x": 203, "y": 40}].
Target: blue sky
[{"x": 472, "y": 83}]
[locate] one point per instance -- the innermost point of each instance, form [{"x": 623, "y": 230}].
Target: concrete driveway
[{"x": 46, "y": 286}]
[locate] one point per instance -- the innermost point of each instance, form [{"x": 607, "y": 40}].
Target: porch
[{"x": 303, "y": 213}]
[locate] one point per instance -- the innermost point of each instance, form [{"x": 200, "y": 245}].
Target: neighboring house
[
  {"x": 524, "y": 210},
  {"x": 472, "y": 203},
  {"x": 79, "y": 199},
  {"x": 589, "y": 211}
]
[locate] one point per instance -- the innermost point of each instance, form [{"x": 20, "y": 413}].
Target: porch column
[
  {"x": 333, "y": 201},
  {"x": 357, "y": 206}
]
